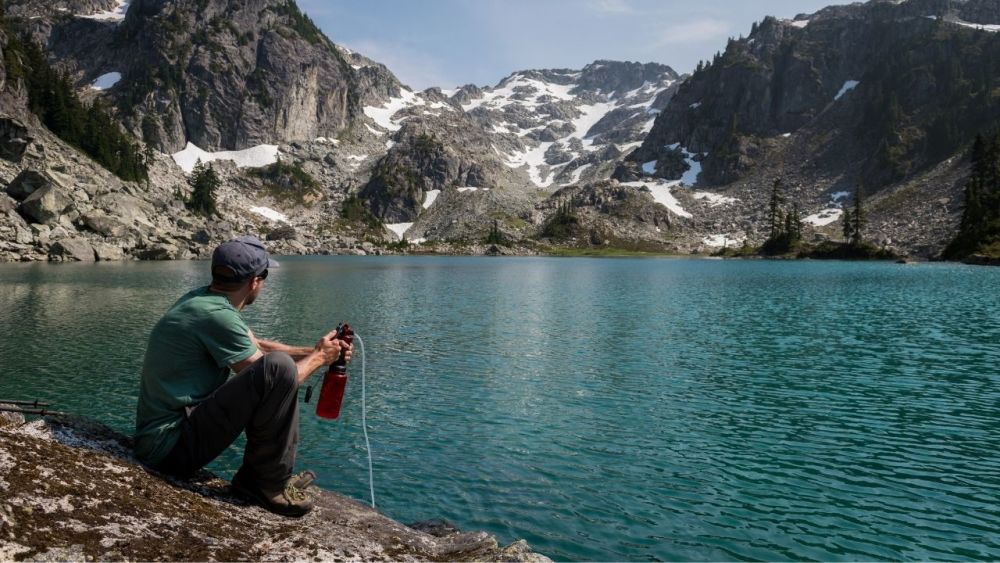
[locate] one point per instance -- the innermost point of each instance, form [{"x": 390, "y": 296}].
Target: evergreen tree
[
  {"x": 858, "y": 218},
  {"x": 774, "y": 215},
  {"x": 204, "y": 181}
]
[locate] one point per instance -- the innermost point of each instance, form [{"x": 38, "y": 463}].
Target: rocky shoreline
[{"x": 71, "y": 490}]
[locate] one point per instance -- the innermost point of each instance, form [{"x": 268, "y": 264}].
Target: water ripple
[{"x": 605, "y": 409}]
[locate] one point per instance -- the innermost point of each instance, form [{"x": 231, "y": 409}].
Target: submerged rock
[{"x": 71, "y": 490}]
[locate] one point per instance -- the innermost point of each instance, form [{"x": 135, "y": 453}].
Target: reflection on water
[{"x": 603, "y": 409}]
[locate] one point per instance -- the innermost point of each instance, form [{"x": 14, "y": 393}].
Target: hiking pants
[{"x": 262, "y": 400}]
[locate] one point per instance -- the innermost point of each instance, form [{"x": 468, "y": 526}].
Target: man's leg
[{"x": 261, "y": 399}]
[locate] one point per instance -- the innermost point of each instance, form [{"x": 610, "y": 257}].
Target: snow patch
[
  {"x": 824, "y": 217},
  {"x": 695, "y": 105},
  {"x": 271, "y": 214},
  {"x": 662, "y": 194},
  {"x": 472, "y": 189},
  {"x": 837, "y": 196},
  {"x": 649, "y": 167},
  {"x": 429, "y": 198},
  {"x": 255, "y": 157},
  {"x": 690, "y": 177},
  {"x": 576, "y": 173},
  {"x": 383, "y": 115},
  {"x": 980, "y": 26},
  {"x": 799, "y": 23},
  {"x": 399, "y": 228},
  {"x": 106, "y": 81},
  {"x": 714, "y": 199},
  {"x": 327, "y": 141},
  {"x": 847, "y": 87},
  {"x": 116, "y": 15},
  {"x": 786, "y": 135}
]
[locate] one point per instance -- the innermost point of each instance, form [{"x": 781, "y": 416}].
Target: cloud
[
  {"x": 694, "y": 31},
  {"x": 611, "y": 6}
]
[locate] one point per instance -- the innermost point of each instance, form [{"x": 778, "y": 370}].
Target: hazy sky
[{"x": 453, "y": 42}]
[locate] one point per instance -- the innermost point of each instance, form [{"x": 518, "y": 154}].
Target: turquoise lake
[{"x": 602, "y": 409}]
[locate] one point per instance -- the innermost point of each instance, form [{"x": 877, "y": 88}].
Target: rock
[
  {"x": 45, "y": 205},
  {"x": 73, "y": 249},
  {"x": 284, "y": 232},
  {"x": 14, "y": 139},
  {"x": 7, "y": 204},
  {"x": 133, "y": 513},
  {"x": 161, "y": 251},
  {"x": 107, "y": 252},
  {"x": 104, "y": 225},
  {"x": 26, "y": 183}
]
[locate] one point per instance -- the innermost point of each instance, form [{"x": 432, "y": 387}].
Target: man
[{"x": 206, "y": 378}]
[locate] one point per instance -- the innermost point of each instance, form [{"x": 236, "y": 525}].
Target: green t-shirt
[{"x": 187, "y": 359}]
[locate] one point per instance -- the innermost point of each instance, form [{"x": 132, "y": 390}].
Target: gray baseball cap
[{"x": 245, "y": 256}]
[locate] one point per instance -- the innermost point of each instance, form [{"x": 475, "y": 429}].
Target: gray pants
[{"x": 262, "y": 400}]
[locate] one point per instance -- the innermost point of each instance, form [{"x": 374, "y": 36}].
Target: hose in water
[{"x": 364, "y": 423}]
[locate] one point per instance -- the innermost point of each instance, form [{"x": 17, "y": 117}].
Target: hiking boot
[
  {"x": 290, "y": 501},
  {"x": 303, "y": 480}
]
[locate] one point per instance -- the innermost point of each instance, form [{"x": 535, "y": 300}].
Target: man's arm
[
  {"x": 326, "y": 351},
  {"x": 296, "y": 352}
]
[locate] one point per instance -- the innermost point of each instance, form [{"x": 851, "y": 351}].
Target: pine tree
[
  {"x": 204, "y": 181},
  {"x": 774, "y": 209},
  {"x": 858, "y": 219}
]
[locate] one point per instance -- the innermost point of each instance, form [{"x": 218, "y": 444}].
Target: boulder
[
  {"x": 103, "y": 225},
  {"x": 14, "y": 139},
  {"x": 7, "y": 204},
  {"x": 159, "y": 251},
  {"x": 72, "y": 249},
  {"x": 108, "y": 252},
  {"x": 27, "y": 183},
  {"x": 44, "y": 205},
  {"x": 284, "y": 232}
]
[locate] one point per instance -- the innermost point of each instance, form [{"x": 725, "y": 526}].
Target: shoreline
[{"x": 71, "y": 490}]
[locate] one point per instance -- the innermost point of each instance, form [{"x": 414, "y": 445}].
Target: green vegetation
[
  {"x": 300, "y": 23},
  {"x": 495, "y": 236},
  {"x": 564, "y": 222},
  {"x": 785, "y": 226},
  {"x": 354, "y": 211},
  {"x": 52, "y": 98},
  {"x": 979, "y": 232},
  {"x": 288, "y": 183},
  {"x": 203, "y": 181}
]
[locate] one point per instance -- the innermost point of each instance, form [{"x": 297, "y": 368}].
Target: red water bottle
[{"x": 335, "y": 380}]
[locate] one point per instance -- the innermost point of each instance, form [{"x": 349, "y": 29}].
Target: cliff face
[
  {"x": 222, "y": 74},
  {"x": 70, "y": 490},
  {"x": 883, "y": 97}
]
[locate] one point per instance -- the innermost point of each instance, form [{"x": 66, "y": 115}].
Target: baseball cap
[{"x": 245, "y": 256}]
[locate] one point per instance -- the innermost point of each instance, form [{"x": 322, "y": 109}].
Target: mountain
[
  {"x": 885, "y": 97},
  {"x": 322, "y": 149},
  {"x": 483, "y": 154}
]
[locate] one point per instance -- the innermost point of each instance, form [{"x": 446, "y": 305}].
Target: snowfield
[
  {"x": 662, "y": 194},
  {"x": 270, "y": 214},
  {"x": 254, "y": 157},
  {"x": 106, "y": 81},
  {"x": 116, "y": 15}
]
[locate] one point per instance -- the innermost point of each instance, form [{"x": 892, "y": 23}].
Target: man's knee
[{"x": 281, "y": 367}]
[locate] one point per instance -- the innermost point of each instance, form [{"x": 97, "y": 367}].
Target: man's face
[{"x": 256, "y": 284}]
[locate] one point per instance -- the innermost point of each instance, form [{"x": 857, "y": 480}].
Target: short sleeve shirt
[{"x": 187, "y": 358}]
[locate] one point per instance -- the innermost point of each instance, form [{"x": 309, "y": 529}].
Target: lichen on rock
[{"x": 71, "y": 490}]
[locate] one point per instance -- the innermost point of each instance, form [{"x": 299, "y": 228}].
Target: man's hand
[
  {"x": 348, "y": 348},
  {"x": 328, "y": 348}
]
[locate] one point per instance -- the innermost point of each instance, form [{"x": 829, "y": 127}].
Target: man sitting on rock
[{"x": 206, "y": 378}]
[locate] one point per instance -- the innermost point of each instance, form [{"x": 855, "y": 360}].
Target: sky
[{"x": 449, "y": 43}]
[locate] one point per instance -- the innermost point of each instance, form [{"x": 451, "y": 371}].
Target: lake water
[{"x": 615, "y": 409}]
